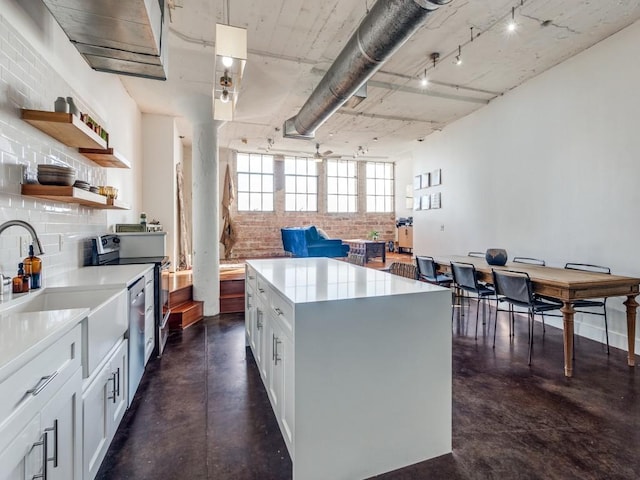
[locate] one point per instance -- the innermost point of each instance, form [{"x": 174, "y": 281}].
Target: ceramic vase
[
  {"x": 496, "y": 256},
  {"x": 61, "y": 105}
]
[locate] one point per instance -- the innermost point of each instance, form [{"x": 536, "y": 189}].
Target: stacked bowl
[{"x": 56, "y": 175}]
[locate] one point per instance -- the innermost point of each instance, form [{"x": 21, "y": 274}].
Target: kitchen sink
[{"x": 104, "y": 326}]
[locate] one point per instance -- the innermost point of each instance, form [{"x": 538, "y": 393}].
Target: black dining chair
[
  {"x": 529, "y": 261},
  {"x": 477, "y": 254},
  {"x": 579, "y": 305},
  {"x": 465, "y": 279},
  {"x": 427, "y": 271},
  {"x": 515, "y": 288}
]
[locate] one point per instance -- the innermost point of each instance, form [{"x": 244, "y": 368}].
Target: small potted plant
[{"x": 373, "y": 235}]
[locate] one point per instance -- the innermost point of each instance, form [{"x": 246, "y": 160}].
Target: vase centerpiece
[{"x": 496, "y": 256}]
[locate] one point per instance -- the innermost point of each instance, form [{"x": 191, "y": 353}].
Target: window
[
  {"x": 300, "y": 184},
  {"x": 379, "y": 186},
  {"x": 342, "y": 186},
  {"x": 255, "y": 182}
]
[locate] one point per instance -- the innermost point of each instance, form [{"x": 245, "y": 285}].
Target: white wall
[
  {"x": 551, "y": 170},
  {"x": 162, "y": 151},
  {"x": 38, "y": 64}
]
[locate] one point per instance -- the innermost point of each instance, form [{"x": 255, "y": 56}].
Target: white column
[{"x": 206, "y": 254}]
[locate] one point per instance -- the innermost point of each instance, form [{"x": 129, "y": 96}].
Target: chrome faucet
[
  {"x": 5, "y": 281},
  {"x": 37, "y": 246}
]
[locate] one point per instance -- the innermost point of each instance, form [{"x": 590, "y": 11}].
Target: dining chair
[
  {"x": 427, "y": 271},
  {"x": 465, "y": 279},
  {"x": 403, "y": 269},
  {"x": 578, "y": 305},
  {"x": 529, "y": 260},
  {"x": 476, "y": 254},
  {"x": 355, "y": 258},
  {"x": 515, "y": 288}
]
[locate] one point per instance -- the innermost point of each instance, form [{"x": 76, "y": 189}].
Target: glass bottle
[
  {"x": 143, "y": 220},
  {"x": 18, "y": 280},
  {"x": 33, "y": 268}
]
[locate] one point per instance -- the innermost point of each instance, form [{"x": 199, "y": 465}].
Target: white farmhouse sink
[{"x": 105, "y": 325}]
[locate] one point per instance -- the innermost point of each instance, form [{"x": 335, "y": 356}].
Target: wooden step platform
[
  {"x": 184, "y": 310},
  {"x": 232, "y": 290}
]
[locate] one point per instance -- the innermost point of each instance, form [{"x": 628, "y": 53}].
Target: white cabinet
[
  {"x": 104, "y": 402},
  {"x": 350, "y": 360},
  {"x": 149, "y": 316},
  {"x": 40, "y": 432},
  {"x": 60, "y": 421}
]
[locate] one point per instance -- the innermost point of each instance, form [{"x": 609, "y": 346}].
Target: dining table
[{"x": 567, "y": 286}]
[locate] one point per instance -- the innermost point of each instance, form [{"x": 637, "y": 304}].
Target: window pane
[
  {"x": 267, "y": 202},
  {"x": 301, "y": 184},
  {"x": 255, "y": 182},
  {"x": 255, "y": 201},
  {"x": 313, "y": 203},
  {"x": 371, "y": 186},
  {"x": 267, "y": 183},
  {"x": 289, "y": 165},
  {"x": 290, "y": 202},
  {"x": 312, "y": 185},
  {"x": 243, "y": 182},
  {"x": 267, "y": 164},
  {"x": 243, "y": 162},
  {"x": 243, "y": 201},
  {"x": 289, "y": 184},
  {"x": 332, "y": 203},
  {"x": 371, "y": 204},
  {"x": 255, "y": 163}
]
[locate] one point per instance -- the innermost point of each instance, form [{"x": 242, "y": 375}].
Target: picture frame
[
  {"x": 436, "y": 177},
  {"x": 426, "y": 180},
  {"x": 426, "y": 202},
  {"x": 436, "y": 200},
  {"x": 416, "y": 202},
  {"x": 417, "y": 182}
]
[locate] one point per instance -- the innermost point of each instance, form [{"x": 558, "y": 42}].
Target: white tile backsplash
[{"x": 27, "y": 81}]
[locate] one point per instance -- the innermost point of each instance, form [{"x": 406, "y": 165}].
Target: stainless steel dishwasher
[{"x": 136, "y": 335}]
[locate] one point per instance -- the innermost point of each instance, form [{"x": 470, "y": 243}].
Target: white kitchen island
[{"x": 356, "y": 363}]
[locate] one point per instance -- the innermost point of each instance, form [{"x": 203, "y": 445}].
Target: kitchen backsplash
[{"x": 28, "y": 81}]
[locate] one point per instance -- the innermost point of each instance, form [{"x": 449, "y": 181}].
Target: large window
[
  {"x": 300, "y": 184},
  {"x": 255, "y": 182},
  {"x": 342, "y": 186},
  {"x": 379, "y": 187}
]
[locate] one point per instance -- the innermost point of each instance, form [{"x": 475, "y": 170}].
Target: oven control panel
[{"x": 107, "y": 243}]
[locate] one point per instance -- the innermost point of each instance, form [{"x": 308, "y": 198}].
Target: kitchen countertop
[
  {"x": 100, "y": 276},
  {"x": 320, "y": 279},
  {"x": 24, "y": 335}
]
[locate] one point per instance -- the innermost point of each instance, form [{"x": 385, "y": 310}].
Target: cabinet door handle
[
  {"x": 118, "y": 382},
  {"x": 42, "y": 384},
  {"x": 252, "y": 277},
  {"x": 113, "y": 379},
  {"x": 261, "y": 290},
  {"x": 273, "y": 347},
  {"x": 54, "y": 429},
  {"x": 278, "y": 311},
  {"x": 276, "y": 357},
  {"x": 45, "y": 453}
]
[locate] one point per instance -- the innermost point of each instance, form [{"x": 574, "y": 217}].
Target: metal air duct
[{"x": 384, "y": 30}]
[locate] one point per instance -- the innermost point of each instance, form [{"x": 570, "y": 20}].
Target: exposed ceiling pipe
[{"x": 384, "y": 30}]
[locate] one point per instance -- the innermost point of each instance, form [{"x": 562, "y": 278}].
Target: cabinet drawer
[
  {"x": 262, "y": 289},
  {"x": 250, "y": 276},
  {"x": 33, "y": 384},
  {"x": 282, "y": 309}
]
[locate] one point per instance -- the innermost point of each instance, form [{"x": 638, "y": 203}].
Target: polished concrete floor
[{"x": 201, "y": 412}]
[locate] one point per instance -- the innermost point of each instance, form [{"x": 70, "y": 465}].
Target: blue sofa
[{"x": 307, "y": 242}]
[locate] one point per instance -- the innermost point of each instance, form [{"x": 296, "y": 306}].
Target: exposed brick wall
[{"x": 259, "y": 232}]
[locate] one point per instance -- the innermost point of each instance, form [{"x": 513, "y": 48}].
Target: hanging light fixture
[
  {"x": 512, "y": 25},
  {"x": 459, "y": 56},
  {"x": 230, "y": 59},
  {"x": 424, "y": 81}
]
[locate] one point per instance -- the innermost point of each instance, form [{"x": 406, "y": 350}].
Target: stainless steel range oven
[{"x": 105, "y": 250}]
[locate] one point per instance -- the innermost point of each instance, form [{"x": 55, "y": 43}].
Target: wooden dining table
[{"x": 567, "y": 286}]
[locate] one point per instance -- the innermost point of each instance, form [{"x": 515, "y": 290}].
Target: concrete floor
[{"x": 201, "y": 412}]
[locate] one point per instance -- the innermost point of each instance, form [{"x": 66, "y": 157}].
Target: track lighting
[
  {"x": 227, "y": 61},
  {"x": 512, "y": 25},
  {"x": 224, "y": 96},
  {"x": 459, "y": 56},
  {"x": 424, "y": 81}
]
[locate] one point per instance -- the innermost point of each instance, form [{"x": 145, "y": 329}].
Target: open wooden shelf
[
  {"x": 71, "y": 195},
  {"x": 64, "y": 127},
  {"x": 107, "y": 157}
]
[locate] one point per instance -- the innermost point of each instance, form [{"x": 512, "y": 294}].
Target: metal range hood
[
  {"x": 388, "y": 25},
  {"x": 115, "y": 36}
]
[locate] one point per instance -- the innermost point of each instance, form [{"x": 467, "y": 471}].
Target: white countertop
[
  {"x": 24, "y": 335},
  {"x": 323, "y": 279},
  {"x": 101, "y": 276}
]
